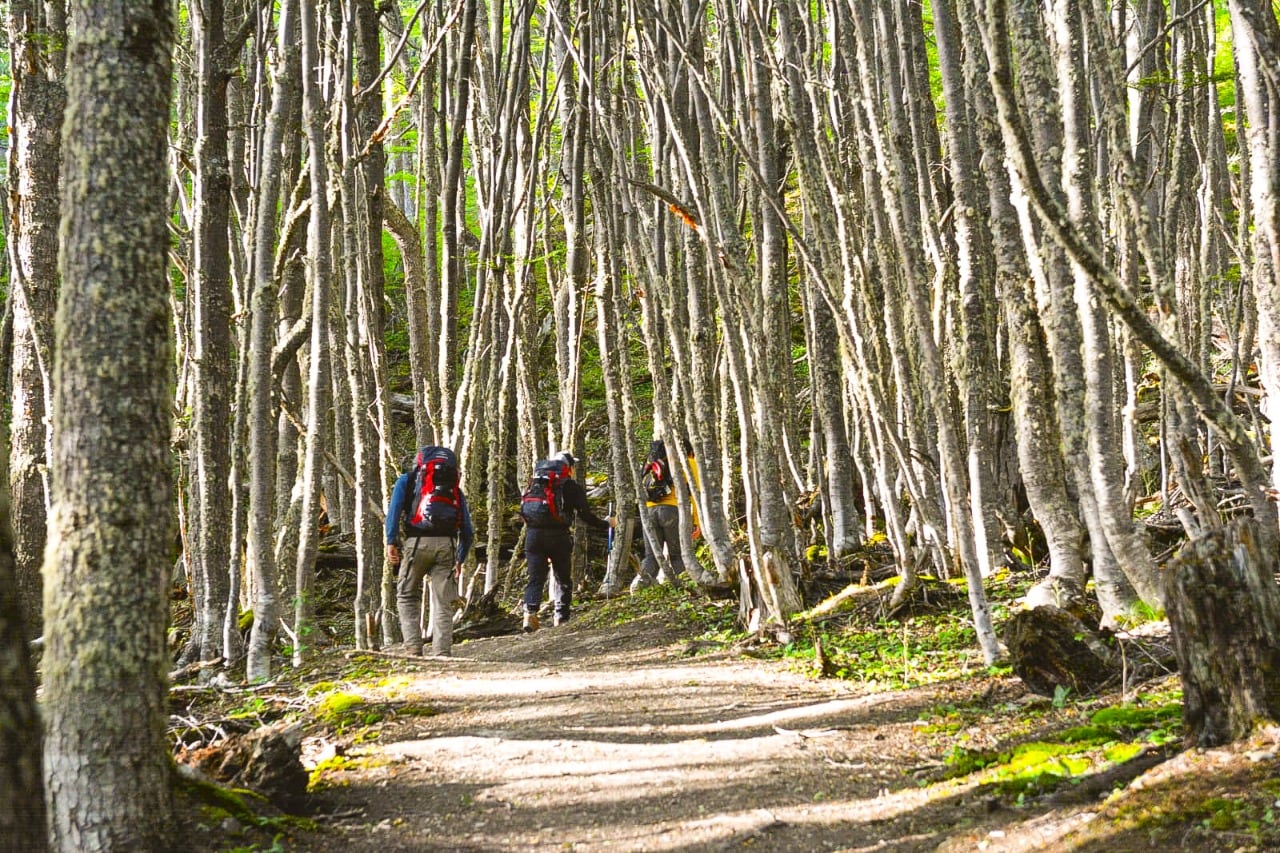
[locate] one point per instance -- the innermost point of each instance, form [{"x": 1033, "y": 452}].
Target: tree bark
[
  {"x": 107, "y": 766},
  {"x": 318, "y": 377},
  {"x": 22, "y": 812},
  {"x": 211, "y": 330},
  {"x": 1256, "y": 37},
  {"x": 1224, "y": 612},
  {"x": 37, "y": 38},
  {"x": 262, "y": 570}
]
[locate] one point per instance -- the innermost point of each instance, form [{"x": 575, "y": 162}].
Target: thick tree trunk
[
  {"x": 1224, "y": 611},
  {"x": 107, "y": 766}
]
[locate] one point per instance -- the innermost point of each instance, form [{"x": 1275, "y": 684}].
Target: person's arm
[
  {"x": 576, "y": 497},
  {"x": 466, "y": 532},
  {"x": 399, "y": 497}
]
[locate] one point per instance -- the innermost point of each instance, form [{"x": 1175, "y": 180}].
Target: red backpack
[
  {"x": 436, "y": 496},
  {"x": 655, "y": 477},
  {"x": 542, "y": 504}
]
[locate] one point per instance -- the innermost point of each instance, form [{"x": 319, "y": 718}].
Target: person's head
[{"x": 567, "y": 458}]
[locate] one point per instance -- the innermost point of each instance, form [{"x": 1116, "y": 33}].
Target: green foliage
[
  {"x": 1114, "y": 735},
  {"x": 713, "y": 621},
  {"x": 216, "y": 803},
  {"x": 336, "y": 704},
  {"x": 892, "y": 653},
  {"x": 254, "y": 706},
  {"x": 328, "y": 772}
]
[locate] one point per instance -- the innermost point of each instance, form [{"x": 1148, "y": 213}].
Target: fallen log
[{"x": 1050, "y": 649}]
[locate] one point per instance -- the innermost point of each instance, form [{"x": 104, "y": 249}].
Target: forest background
[{"x": 977, "y": 282}]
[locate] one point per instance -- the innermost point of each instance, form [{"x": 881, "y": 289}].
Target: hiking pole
[
  {"x": 610, "y": 570},
  {"x": 609, "y": 545}
]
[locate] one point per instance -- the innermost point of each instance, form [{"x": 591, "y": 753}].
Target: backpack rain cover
[
  {"x": 542, "y": 504},
  {"x": 436, "y": 496}
]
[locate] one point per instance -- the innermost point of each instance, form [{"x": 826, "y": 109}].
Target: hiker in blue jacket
[{"x": 427, "y": 502}]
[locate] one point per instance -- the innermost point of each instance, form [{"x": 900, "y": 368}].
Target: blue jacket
[{"x": 400, "y": 504}]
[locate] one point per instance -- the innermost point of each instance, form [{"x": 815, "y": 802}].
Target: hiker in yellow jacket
[{"x": 657, "y": 481}]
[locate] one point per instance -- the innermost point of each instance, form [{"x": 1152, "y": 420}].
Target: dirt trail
[{"x": 622, "y": 738}]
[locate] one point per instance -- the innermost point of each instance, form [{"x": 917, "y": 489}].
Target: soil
[{"x": 606, "y": 737}]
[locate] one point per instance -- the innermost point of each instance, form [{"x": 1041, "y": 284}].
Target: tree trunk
[
  {"x": 409, "y": 242},
  {"x": 1256, "y": 40},
  {"x": 319, "y": 367},
  {"x": 372, "y": 449},
  {"x": 452, "y": 221},
  {"x": 22, "y": 814},
  {"x": 107, "y": 766},
  {"x": 37, "y": 38},
  {"x": 259, "y": 546},
  {"x": 211, "y": 332},
  {"x": 1224, "y": 612}
]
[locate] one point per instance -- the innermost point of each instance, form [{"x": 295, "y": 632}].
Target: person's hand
[
  {"x": 613, "y": 522},
  {"x": 393, "y": 554},
  {"x": 457, "y": 570},
  {"x": 697, "y": 531}
]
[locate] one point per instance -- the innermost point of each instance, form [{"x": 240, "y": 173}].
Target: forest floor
[{"x": 621, "y": 731}]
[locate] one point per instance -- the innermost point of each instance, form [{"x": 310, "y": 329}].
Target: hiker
[
  {"x": 549, "y": 507},
  {"x": 658, "y": 483},
  {"x": 428, "y": 499}
]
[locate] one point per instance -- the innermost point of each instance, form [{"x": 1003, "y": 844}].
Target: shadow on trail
[{"x": 542, "y": 744}]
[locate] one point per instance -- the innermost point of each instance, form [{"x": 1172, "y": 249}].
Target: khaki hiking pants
[{"x": 427, "y": 557}]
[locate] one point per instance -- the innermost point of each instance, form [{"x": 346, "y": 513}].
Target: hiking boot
[
  {"x": 559, "y": 620},
  {"x": 641, "y": 582},
  {"x": 530, "y": 623}
]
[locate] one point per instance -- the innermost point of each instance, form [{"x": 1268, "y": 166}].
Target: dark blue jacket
[{"x": 400, "y": 504}]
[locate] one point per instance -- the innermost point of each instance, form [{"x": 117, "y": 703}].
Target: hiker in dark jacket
[
  {"x": 552, "y": 546},
  {"x": 423, "y": 554}
]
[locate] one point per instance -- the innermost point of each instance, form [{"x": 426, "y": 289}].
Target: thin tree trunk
[
  {"x": 259, "y": 543},
  {"x": 211, "y": 332},
  {"x": 22, "y": 812},
  {"x": 318, "y": 246},
  {"x": 1256, "y": 39},
  {"x": 37, "y": 38}
]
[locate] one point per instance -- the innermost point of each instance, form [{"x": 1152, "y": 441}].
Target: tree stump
[
  {"x": 1224, "y": 613},
  {"x": 1051, "y": 649},
  {"x": 266, "y": 760}
]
